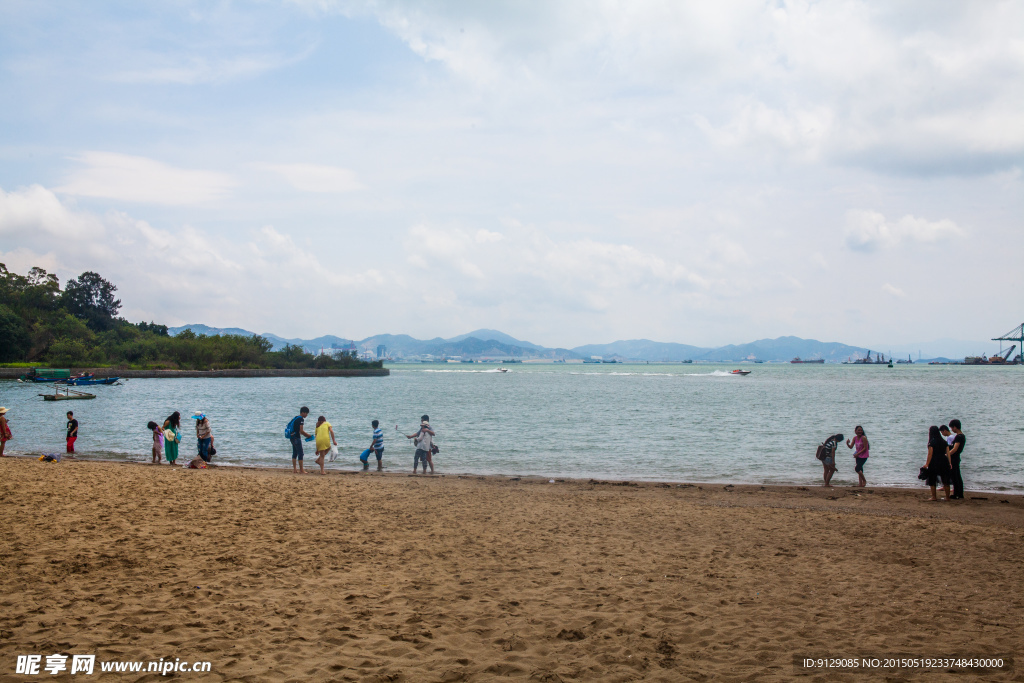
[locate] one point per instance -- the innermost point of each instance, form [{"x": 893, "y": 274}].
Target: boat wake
[
  {"x": 490, "y": 370},
  {"x": 716, "y": 373}
]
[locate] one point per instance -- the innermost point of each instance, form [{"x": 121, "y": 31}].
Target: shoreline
[
  {"x": 16, "y": 373},
  {"x": 497, "y": 477}
]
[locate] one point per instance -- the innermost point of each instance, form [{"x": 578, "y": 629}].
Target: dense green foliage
[{"x": 78, "y": 327}]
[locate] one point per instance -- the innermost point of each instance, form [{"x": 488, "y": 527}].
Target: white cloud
[
  {"x": 316, "y": 178},
  {"x": 897, "y": 88},
  {"x": 37, "y": 210},
  {"x": 894, "y": 291},
  {"x": 484, "y": 236},
  {"x": 871, "y": 231},
  {"x": 173, "y": 276},
  {"x": 109, "y": 175},
  {"x": 196, "y": 69},
  {"x": 532, "y": 268}
]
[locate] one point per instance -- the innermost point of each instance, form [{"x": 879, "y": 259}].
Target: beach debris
[{"x": 551, "y": 481}]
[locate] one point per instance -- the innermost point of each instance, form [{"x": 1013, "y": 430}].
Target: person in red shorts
[
  {"x": 5, "y": 431},
  {"x": 72, "y": 432}
]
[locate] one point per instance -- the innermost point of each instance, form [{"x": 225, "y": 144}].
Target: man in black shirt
[
  {"x": 72, "y": 433},
  {"x": 297, "y": 432},
  {"x": 959, "y": 441}
]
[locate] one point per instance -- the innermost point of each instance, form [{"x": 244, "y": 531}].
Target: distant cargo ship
[
  {"x": 866, "y": 360},
  {"x": 816, "y": 360}
]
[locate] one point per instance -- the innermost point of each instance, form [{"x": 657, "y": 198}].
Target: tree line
[{"x": 79, "y": 327}]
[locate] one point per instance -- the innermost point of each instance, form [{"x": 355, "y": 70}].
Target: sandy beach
[{"x": 271, "y": 576}]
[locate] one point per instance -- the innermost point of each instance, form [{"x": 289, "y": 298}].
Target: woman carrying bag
[{"x": 172, "y": 436}]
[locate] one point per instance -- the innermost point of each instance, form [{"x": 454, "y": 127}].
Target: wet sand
[{"x": 272, "y": 576}]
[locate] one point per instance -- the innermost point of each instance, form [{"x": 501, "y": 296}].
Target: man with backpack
[
  {"x": 827, "y": 455},
  {"x": 294, "y": 432}
]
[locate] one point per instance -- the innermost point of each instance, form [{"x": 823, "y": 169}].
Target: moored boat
[{"x": 90, "y": 381}]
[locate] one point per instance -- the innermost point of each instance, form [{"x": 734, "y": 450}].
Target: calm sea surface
[{"x": 653, "y": 422}]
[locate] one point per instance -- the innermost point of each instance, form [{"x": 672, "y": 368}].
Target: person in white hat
[{"x": 5, "y": 431}]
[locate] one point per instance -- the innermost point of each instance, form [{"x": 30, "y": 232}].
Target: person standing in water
[
  {"x": 295, "y": 432},
  {"x": 957, "y": 448},
  {"x": 860, "y": 453},
  {"x": 827, "y": 455},
  {"x": 937, "y": 464},
  {"x": 72, "y": 433},
  {"x": 204, "y": 435},
  {"x": 376, "y": 445},
  {"x": 324, "y": 437},
  {"x": 158, "y": 441},
  {"x": 172, "y": 436},
  {"x": 5, "y": 431},
  {"x": 423, "y": 440}
]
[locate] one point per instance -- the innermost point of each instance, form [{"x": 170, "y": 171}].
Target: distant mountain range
[{"x": 487, "y": 343}]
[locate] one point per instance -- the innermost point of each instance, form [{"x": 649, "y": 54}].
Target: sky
[{"x": 568, "y": 172}]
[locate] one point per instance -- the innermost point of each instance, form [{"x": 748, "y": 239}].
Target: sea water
[{"x": 670, "y": 422}]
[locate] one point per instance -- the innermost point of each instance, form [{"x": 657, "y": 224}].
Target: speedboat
[{"x": 740, "y": 372}]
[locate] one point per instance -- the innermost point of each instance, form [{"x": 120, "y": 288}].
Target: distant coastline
[
  {"x": 495, "y": 346},
  {"x": 15, "y": 373}
]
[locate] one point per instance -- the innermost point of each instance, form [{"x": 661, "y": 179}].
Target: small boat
[
  {"x": 91, "y": 382},
  {"x": 68, "y": 395},
  {"x": 740, "y": 372},
  {"x": 502, "y": 369},
  {"x": 47, "y": 375}
]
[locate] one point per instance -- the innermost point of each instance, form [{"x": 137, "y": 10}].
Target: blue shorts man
[{"x": 297, "y": 432}]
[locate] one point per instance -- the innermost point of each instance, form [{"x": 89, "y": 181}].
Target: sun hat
[
  {"x": 2, "y": 410},
  {"x": 198, "y": 415}
]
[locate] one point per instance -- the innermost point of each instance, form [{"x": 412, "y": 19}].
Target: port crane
[{"x": 1014, "y": 335}]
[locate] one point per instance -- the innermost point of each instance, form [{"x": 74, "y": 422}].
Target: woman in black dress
[{"x": 938, "y": 462}]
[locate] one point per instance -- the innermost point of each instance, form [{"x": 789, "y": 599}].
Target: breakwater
[{"x": 15, "y": 373}]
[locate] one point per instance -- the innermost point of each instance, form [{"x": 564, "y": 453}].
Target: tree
[
  {"x": 158, "y": 330},
  {"x": 91, "y": 298},
  {"x": 15, "y": 342}
]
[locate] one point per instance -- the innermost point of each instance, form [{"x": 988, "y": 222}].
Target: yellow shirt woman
[{"x": 323, "y": 436}]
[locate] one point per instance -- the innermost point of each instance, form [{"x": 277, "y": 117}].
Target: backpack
[
  {"x": 289, "y": 431},
  {"x": 820, "y": 453}
]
